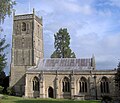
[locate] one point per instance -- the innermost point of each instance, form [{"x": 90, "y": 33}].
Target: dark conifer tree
[
  {"x": 3, "y": 58},
  {"x": 61, "y": 45},
  {"x": 117, "y": 78}
]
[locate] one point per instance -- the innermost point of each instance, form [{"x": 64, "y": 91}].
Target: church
[{"x": 33, "y": 76}]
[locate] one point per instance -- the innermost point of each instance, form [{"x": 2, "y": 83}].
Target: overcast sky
[{"x": 94, "y": 27}]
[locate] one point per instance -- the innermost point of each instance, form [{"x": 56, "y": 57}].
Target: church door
[{"x": 50, "y": 92}]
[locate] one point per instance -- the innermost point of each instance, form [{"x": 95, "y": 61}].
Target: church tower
[{"x": 27, "y": 48}]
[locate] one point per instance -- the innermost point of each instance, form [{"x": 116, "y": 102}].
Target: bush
[
  {"x": 1, "y": 89},
  {"x": 106, "y": 98},
  {"x": 10, "y": 91}
]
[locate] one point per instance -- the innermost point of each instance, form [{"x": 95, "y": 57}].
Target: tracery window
[
  {"x": 83, "y": 85},
  {"x": 66, "y": 84},
  {"x": 23, "y": 26},
  {"x": 35, "y": 84},
  {"x": 104, "y": 85}
]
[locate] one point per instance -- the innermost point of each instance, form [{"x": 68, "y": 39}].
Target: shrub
[
  {"x": 10, "y": 91},
  {"x": 1, "y": 89},
  {"x": 106, "y": 98}
]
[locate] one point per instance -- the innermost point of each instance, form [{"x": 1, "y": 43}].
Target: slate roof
[{"x": 64, "y": 64}]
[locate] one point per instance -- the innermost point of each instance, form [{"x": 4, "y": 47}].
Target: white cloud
[{"x": 92, "y": 31}]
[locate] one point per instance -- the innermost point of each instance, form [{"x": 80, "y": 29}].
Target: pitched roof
[{"x": 64, "y": 64}]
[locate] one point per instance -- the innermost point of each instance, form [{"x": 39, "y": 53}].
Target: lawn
[{"x": 12, "y": 99}]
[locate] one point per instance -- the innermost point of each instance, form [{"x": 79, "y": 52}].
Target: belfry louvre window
[
  {"x": 104, "y": 85},
  {"x": 66, "y": 84},
  {"x": 23, "y": 26},
  {"x": 35, "y": 84},
  {"x": 83, "y": 85}
]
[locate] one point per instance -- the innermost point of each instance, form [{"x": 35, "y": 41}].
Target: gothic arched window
[
  {"x": 83, "y": 85},
  {"x": 35, "y": 84},
  {"x": 66, "y": 84},
  {"x": 23, "y": 26},
  {"x": 104, "y": 85}
]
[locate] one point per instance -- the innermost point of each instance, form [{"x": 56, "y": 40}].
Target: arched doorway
[{"x": 50, "y": 92}]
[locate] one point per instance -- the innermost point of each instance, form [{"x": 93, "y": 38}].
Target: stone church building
[{"x": 31, "y": 75}]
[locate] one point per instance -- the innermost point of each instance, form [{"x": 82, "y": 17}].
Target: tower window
[
  {"x": 38, "y": 29},
  {"x": 23, "y": 26},
  {"x": 17, "y": 26}
]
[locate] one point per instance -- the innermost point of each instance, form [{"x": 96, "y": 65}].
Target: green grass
[{"x": 13, "y": 99}]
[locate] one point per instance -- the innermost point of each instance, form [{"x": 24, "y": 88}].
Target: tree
[
  {"x": 3, "y": 58},
  {"x": 5, "y": 84},
  {"x": 61, "y": 45},
  {"x": 2, "y": 77},
  {"x": 117, "y": 79},
  {"x": 6, "y": 7}
]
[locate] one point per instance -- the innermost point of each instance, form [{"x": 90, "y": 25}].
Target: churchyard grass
[{"x": 13, "y": 99}]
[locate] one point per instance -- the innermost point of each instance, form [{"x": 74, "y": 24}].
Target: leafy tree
[
  {"x": 61, "y": 45},
  {"x": 6, "y": 7},
  {"x": 117, "y": 78}
]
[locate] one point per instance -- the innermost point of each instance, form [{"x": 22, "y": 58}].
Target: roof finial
[
  {"x": 33, "y": 10},
  {"x": 93, "y": 62},
  {"x": 93, "y": 56}
]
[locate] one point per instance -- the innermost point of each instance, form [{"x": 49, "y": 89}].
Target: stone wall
[{"x": 49, "y": 80}]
